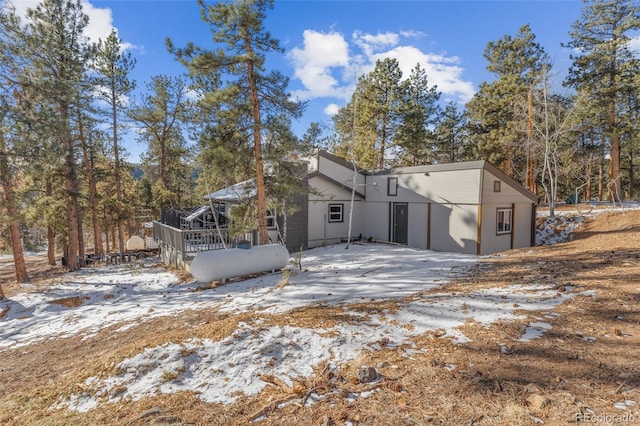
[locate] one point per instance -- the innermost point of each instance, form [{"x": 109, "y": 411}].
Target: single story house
[{"x": 470, "y": 207}]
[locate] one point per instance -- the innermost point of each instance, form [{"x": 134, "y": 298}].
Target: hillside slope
[{"x": 574, "y": 359}]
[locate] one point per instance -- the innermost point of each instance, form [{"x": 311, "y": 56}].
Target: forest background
[{"x": 63, "y": 110}]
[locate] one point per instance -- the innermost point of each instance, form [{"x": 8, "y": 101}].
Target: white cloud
[
  {"x": 102, "y": 93},
  {"x": 372, "y": 43},
  {"x": 412, "y": 34},
  {"x": 325, "y": 64},
  {"x": 332, "y": 109},
  {"x": 100, "y": 19},
  {"x": 442, "y": 71},
  {"x": 100, "y": 22},
  {"x": 193, "y": 95},
  {"x": 634, "y": 45},
  {"x": 316, "y": 61}
]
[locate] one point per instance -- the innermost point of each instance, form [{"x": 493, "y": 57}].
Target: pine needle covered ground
[{"x": 578, "y": 359}]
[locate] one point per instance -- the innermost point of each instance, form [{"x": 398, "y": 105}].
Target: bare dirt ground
[{"x": 576, "y": 372}]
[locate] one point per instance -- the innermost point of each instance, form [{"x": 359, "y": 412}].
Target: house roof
[
  {"x": 336, "y": 183},
  {"x": 347, "y": 186},
  {"x": 235, "y": 193},
  {"x": 338, "y": 160},
  {"x": 196, "y": 213},
  {"x": 512, "y": 182}
]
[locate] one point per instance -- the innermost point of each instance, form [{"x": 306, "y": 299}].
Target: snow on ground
[
  {"x": 560, "y": 228},
  {"x": 125, "y": 295},
  {"x": 129, "y": 293}
]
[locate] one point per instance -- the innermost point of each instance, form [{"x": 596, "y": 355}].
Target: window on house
[
  {"x": 336, "y": 212},
  {"x": 392, "y": 186},
  {"x": 497, "y": 185},
  {"x": 504, "y": 221},
  {"x": 271, "y": 219}
]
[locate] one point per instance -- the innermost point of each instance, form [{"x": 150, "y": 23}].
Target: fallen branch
[
  {"x": 270, "y": 406},
  {"x": 371, "y": 270},
  {"x": 620, "y": 387},
  {"x": 274, "y": 380},
  {"x": 150, "y": 412},
  {"x": 306, "y": 396}
]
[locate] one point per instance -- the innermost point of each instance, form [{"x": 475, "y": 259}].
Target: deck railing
[{"x": 185, "y": 244}]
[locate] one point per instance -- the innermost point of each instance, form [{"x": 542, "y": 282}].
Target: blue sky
[{"x": 329, "y": 43}]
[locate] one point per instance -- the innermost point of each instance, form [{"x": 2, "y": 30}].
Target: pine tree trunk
[
  {"x": 106, "y": 239},
  {"x": 70, "y": 177},
  {"x": 116, "y": 155},
  {"x": 588, "y": 189},
  {"x": 614, "y": 167},
  {"x": 507, "y": 162},
  {"x": 631, "y": 188},
  {"x": 51, "y": 246},
  {"x": 601, "y": 179},
  {"x": 93, "y": 199},
  {"x": 81, "y": 253},
  {"x": 20, "y": 266},
  {"x": 72, "y": 260},
  {"x": 383, "y": 145},
  {"x": 261, "y": 190},
  {"x": 121, "y": 236}
]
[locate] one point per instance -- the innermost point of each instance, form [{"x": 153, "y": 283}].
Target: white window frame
[
  {"x": 392, "y": 187},
  {"x": 506, "y": 225},
  {"x": 340, "y": 214}
]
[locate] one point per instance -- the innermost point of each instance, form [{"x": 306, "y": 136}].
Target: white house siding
[
  {"x": 454, "y": 227},
  {"x": 418, "y": 225},
  {"x": 452, "y": 195},
  {"x": 491, "y": 242},
  {"x": 522, "y": 225},
  {"x": 320, "y": 230},
  {"x": 375, "y": 221},
  {"x": 508, "y": 196},
  {"x": 341, "y": 172},
  {"x": 453, "y": 186}
]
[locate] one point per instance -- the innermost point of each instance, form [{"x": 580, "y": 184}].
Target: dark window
[
  {"x": 336, "y": 212},
  {"x": 497, "y": 186},
  {"x": 271, "y": 219},
  {"x": 504, "y": 221},
  {"x": 392, "y": 186}
]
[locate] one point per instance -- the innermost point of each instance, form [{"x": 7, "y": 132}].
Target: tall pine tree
[
  {"x": 11, "y": 125},
  {"x": 606, "y": 69},
  {"x": 57, "y": 53},
  {"x": 239, "y": 26},
  {"x": 113, "y": 85},
  {"x": 367, "y": 126},
  {"x": 160, "y": 115},
  {"x": 495, "y": 124},
  {"x": 419, "y": 114}
]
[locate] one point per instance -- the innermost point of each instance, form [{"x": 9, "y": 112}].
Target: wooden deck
[{"x": 178, "y": 246}]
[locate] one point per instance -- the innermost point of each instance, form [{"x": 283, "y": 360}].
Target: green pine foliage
[
  {"x": 496, "y": 123},
  {"x": 251, "y": 102},
  {"x": 59, "y": 171},
  {"x": 167, "y": 162},
  {"x": 606, "y": 70}
]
